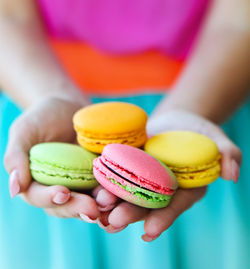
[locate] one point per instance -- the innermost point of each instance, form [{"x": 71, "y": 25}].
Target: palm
[{"x": 50, "y": 120}]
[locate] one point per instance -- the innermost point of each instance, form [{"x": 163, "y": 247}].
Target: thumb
[{"x": 16, "y": 159}]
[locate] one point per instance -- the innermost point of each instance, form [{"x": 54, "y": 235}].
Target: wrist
[
  {"x": 71, "y": 93},
  {"x": 74, "y": 99},
  {"x": 63, "y": 90},
  {"x": 182, "y": 101}
]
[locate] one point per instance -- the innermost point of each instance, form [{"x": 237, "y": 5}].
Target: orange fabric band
[{"x": 99, "y": 73}]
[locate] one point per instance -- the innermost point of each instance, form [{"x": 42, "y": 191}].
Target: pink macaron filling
[{"x": 125, "y": 177}]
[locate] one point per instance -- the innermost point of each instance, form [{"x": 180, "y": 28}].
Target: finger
[
  {"x": 161, "y": 219},
  {"x": 16, "y": 158},
  {"x": 125, "y": 214},
  {"x": 46, "y": 196},
  {"x": 96, "y": 190},
  {"x": 227, "y": 147},
  {"x": 103, "y": 222},
  {"x": 231, "y": 156},
  {"x": 79, "y": 206},
  {"x": 105, "y": 199}
]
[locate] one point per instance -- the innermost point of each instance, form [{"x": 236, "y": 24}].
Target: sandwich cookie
[
  {"x": 62, "y": 164},
  {"x": 194, "y": 158},
  {"x": 111, "y": 122},
  {"x": 135, "y": 176}
]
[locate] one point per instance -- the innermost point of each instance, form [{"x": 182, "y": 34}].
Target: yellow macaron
[
  {"x": 111, "y": 122},
  {"x": 194, "y": 158}
]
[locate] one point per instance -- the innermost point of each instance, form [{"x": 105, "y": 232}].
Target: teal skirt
[{"x": 214, "y": 233}]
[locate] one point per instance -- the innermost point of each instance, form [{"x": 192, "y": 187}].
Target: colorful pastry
[
  {"x": 194, "y": 158},
  {"x": 112, "y": 122},
  {"x": 62, "y": 164},
  {"x": 135, "y": 176}
]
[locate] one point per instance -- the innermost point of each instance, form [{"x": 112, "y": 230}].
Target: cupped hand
[
  {"x": 118, "y": 214},
  {"x": 48, "y": 120}
]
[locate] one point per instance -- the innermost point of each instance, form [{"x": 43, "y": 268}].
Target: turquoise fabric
[{"x": 213, "y": 234}]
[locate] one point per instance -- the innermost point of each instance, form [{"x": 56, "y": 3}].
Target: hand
[
  {"x": 158, "y": 220},
  {"x": 48, "y": 120}
]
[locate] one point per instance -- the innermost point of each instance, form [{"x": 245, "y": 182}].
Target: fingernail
[
  {"x": 104, "y": 198},
  {"x": 61, "y": 198},
  {"x": 101, "y": 198},
  {"x": 148, "y": 238},
  {"x": 235, "y": 171},
  {"x": 87, "y": 218},
  {"x": 106, "y": 208},
  {"x": 14, "y": 184},
  {"x": 112, "y": 229}
]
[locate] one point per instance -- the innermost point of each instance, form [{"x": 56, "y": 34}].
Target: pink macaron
[{"x": 135, "y": 176}]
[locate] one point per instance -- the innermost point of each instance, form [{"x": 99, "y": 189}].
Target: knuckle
[
  {"x": 124, "y": 211},
  {"x": 16, "y": 125},
  {"x": 86, "y": 202},
  {"x": 27, "y": 199},
  {"x": 49, "y": 212},
  {"x": 58, "y": 188},
  {"x": 172, "y": 213},
  {"x": 7, "y": 161},
  {"x": 157, "y": 224},
  {"x": 54, "y": 213},
  {"x": 19, "y": 128}
]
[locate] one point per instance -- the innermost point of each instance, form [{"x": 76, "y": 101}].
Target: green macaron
[{"x": 62, "y": 164}]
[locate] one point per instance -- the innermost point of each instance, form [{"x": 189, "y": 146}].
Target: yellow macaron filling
[
  {"x": 196, "y": 168},
  {"x": 198, "y": 179}
]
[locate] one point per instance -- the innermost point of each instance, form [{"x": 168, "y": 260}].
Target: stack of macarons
[{"x": 112, "y": 136}]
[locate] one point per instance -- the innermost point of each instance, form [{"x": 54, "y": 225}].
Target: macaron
[
  {"x": 135, "y": 176},
  {"x": 111, "y": 122},
  {"x": 194, "y": 158},
  {"x": 62, "y": 164}
]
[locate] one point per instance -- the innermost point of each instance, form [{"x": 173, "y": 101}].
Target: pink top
[{"x": 126, "y": 26}]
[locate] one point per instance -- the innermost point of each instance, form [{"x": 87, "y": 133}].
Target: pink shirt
[{"x": 127, "y": 26}]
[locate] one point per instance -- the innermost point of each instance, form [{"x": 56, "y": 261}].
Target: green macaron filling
[
  {"x": 143, "y": 193},
  {"x": 60, "y": 171}
]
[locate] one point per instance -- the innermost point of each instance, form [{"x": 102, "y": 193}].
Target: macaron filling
[
  {"x": 138, "y": 191},
  {"x": 210, "y": 172},
  {"x": 110, "y": 136},
  {"x": 197, "y": 168},
  {"x": 143, "y": 193},
  {"x": 55, "y": 170},
  {"x": 131, "y": 139},
  {"x": 126, "y": 180},
  {"x": 131, "y": 177}
]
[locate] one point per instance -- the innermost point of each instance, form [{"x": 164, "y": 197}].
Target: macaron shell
[
  {"x": 110, "y": 118},
  {"x": 142, "y": 165},
  {"x": 126, "y": 195},
  {"x": 183, "y": 149},
  {"x": 63, "y": 155}
]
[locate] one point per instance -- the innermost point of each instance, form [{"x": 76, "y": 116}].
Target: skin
[{"x": 216, "y": 72}]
